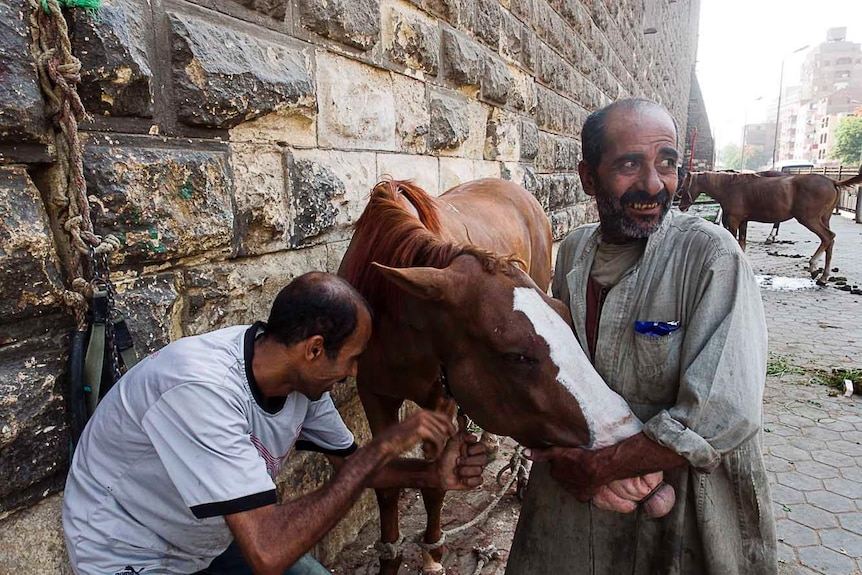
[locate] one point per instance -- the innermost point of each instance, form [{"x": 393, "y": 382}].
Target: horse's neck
[{"x": 714, "y": 188}]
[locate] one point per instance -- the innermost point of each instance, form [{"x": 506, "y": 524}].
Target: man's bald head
[
  {"x": 594, "y": 132},
  {"x": 316, "y": 303}
]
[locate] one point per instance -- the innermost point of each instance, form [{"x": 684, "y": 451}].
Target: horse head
[{"x": 510, "y": 356}]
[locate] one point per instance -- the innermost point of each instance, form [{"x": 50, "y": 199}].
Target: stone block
[
  {"x": 34, "y": 434},
  {"x": 314, "y": 189},
  {"x": 561, "y": 189},
  {"x": 284, "y": 128},
  {"x": 503, "y": 136},
  {"x": 529, "y": 139},
  {"x": 33, "y": 541},
  {"x": 463, "y": 59},
  {"x": 162, "y": 203},
  {"x": 356, "y": 176},
  {"x": 116, "y": 79},
  {"x": 524, "y": 175},
  {"x": 354, "y": 23},
  {"x": 522, "y": 91},
  {"x": 566, "y": 154},
  {"x": 260, "y": 190},
  {"x": 486, "y": 22},
  {"x": 345, "y": 121},
  {"x": 241, "y": 291},
  {"x": 511, "y": 38},
  {"x": 413, "y": 119},
  {"x": 275, "y": 9},
  {"x": 424, "y": 171},
  {"x": 545, "y": 153},
  {"x": 223, "y": 77},
  {"x": 151, "y": 306},
  {"x": 411, "y": 39},
  {"x": 486, "y": 169},
  {"x": 523, "y": 9},
  {"x": 32, "y": 284},
  {"x": 496, "y": 81},
  {"x": 455, "y": 171},
  {"x": 450, "y": 121},
  {"x": 555, "y": 113},
  {"x": 22, "y": 108},
  {"x": 456, "y": 12}
]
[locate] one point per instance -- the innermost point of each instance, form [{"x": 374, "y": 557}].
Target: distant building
[
  {"x": 830, "y": 88},
  {"x": 827, "y": 113}
]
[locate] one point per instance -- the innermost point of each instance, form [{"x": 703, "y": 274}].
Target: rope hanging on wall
[{"x": 92, "y": 294}]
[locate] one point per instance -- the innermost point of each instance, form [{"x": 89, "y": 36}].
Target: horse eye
[{"x": 520, "y": 358}]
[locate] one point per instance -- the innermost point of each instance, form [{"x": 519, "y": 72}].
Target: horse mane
[{"x": 387, "y": 234}]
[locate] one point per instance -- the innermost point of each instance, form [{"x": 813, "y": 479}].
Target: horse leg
[
  {"x": 827, "y": 238},
  {"x": 382, "y": 413},
  {"x": 432, "y": 550},
  {"x": 773, "y": 235},
  {"x": 743, "y": 233}
]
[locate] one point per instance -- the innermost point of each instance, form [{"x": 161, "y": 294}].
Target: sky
[{"x": 740, "y": 48}]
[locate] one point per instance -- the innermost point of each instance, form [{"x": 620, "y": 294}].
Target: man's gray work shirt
[
  {"x": 698, "y": 391},
  {"x": 178, "y": 443}
]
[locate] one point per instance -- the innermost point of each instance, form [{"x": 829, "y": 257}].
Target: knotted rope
[{"x": 59, "y": 73}]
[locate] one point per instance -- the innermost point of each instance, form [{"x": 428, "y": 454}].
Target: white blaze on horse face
[{"x": 608, "y": 416}]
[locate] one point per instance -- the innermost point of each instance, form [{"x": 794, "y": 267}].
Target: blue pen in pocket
[{"x": 656, "y": 328}]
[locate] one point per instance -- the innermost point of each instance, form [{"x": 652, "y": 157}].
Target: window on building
[{"x": 845, "y": 60}]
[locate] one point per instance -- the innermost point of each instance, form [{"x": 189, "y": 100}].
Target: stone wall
[
  {"x": 232, "y": 144},
  {"x": 699, "y": 142}
]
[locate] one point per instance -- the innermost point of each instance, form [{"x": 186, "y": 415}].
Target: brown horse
[
  {"x": 452, "y": 319},
  {"x": 810, "y": 198},
  {"x": 402, "y": 226}
]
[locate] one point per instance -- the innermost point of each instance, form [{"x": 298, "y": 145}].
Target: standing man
[
  {"x": 175, "y": 472},
  {"x": 667, "y": 308}
]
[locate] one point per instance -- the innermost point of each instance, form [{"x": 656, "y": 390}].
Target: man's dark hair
[
  {"x": 595, "y": 127},
  {"x": 315, "y": 303}
]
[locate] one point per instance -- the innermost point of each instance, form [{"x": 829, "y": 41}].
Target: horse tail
[
  {"x": 420, "y": 199},
  {"x": 849, "y": 181}
]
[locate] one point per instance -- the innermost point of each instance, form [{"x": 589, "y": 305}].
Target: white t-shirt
[{"x": 180, "y": 441}]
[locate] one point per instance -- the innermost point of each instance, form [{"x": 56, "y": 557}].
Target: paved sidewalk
[{"x": 813, "y": 435}]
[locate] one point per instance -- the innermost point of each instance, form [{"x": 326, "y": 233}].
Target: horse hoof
[{"x": 821, "y": 282}]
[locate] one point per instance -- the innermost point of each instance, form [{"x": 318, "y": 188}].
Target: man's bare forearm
[
  {"x": 276, "y": 536},
  {"x": 637, "y": 455}
]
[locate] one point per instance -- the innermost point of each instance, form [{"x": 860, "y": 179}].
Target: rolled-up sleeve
[{"x": 722, "y": 367}]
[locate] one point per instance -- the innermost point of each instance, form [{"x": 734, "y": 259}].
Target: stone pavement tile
[
  {"x": 796, "y": 570},
  {"x": 807, "y": 443},
  {"x": 845, "y": 487},
  {"x": 842, "y": 541},
  {"x": 778, "y": 465},
  {"x": 850, "y": 448},
  {"x": 833, "y": 458},
  {"x": 831, "y": 502},
  {"x": 787, "y": 495},
  {"x": 811, "y": 516},
  {"x": 786, "y": 553},
  {"x": 819, "y": 470},
  {"x": 851, "y": 473},
  {"x": 799, "y": 481},
  {"x": 794, "y": 534},
  {"x": 826, "y": 560},
  {"x": 851, "y": 522},
  {"x": 790, "y": 453}
]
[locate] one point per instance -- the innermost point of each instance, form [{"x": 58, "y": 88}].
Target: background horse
[
  {"x": 452, "y": 318},
  {"x": 810, "y": 198}
]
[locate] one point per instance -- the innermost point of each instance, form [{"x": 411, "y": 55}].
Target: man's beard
[{"x": 616, "y": 223}]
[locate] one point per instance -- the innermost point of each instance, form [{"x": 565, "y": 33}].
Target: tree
[
  {"x": 848, "y": 140},
  {"x": 731, "y": 157}
]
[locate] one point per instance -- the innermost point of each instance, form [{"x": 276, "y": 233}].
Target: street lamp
[
  {"x": 744, "y": 130},
  {"x": 778, "y": 111}
]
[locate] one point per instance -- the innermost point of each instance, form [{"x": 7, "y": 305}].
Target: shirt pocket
[{"x": 656, "y": 368}]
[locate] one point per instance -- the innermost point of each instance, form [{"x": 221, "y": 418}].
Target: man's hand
[
  {"x": 434, "y": 429},
  {"x": 572, "y": 467},
  {"x": 463, "y": 461},
  {"x": 623, "y": 495}
]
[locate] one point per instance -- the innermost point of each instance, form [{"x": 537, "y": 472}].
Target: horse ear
[{"x": 426, "y": 283}]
